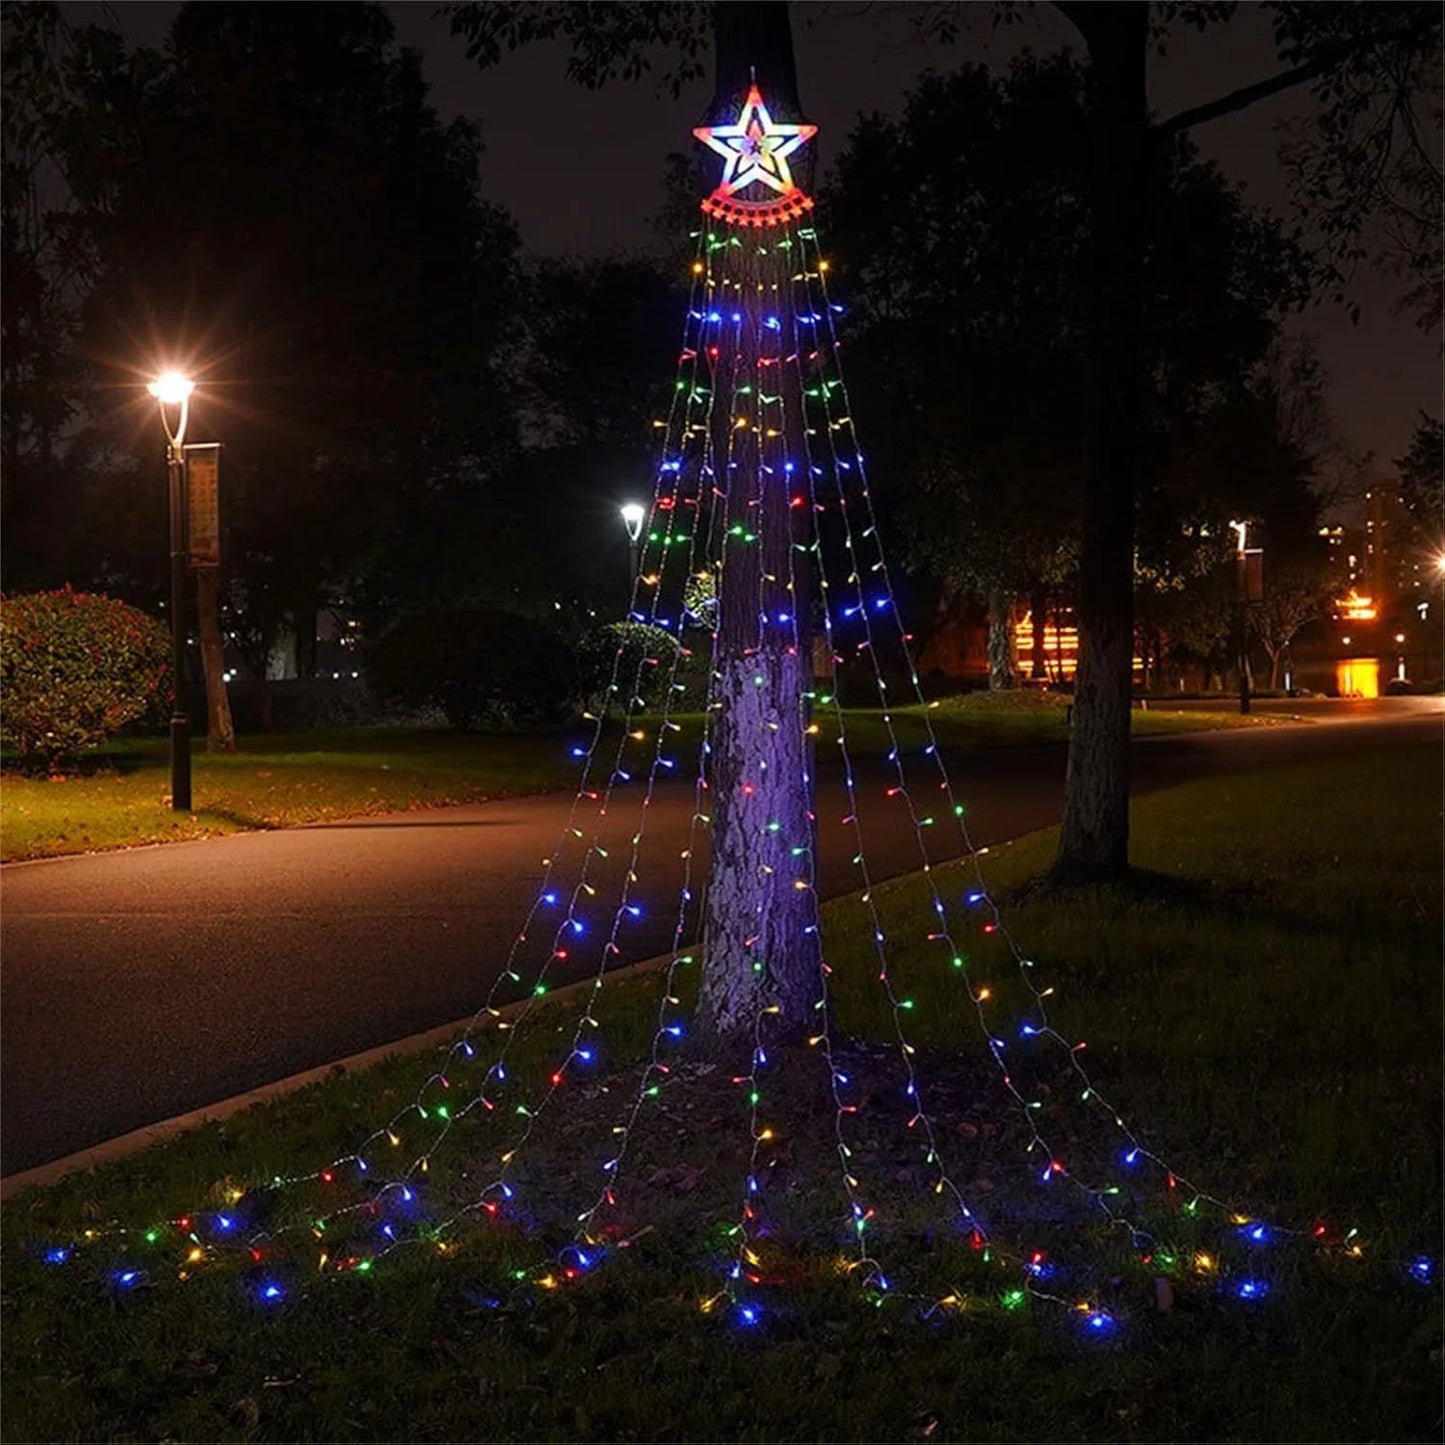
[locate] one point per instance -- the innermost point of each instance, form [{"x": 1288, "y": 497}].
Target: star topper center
[{"x": 757, "y": 186}]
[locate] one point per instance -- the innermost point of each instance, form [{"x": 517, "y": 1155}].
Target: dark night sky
[{"x": 580, "y": 171}]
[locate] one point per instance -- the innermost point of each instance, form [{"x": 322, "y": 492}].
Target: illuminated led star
[{"x": 756, "y": 149}]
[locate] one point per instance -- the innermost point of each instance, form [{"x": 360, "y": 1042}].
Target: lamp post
[
  {"x": 634, "y": 514},
  {"x": 1241, "y": 575},
  {"x": 173, "y": 389}
]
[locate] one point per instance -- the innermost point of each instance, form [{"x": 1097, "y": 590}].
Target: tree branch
[{"x": 1246, "y": 95}]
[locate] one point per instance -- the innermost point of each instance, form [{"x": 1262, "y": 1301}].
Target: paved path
[{"x": 140, "y": 984}]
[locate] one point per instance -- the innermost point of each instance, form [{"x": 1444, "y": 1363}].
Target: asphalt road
[{"x": 137, "y": 985}]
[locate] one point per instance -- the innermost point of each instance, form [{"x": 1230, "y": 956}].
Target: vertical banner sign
[{"x": 203, "y": 504}]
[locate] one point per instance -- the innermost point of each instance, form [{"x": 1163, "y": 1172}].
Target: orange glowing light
[
  {"x": 1358, "y": 677},
  {"x": 1354, "y": 608}
]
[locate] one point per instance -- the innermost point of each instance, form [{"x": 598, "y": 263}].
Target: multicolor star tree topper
[{"x": 756, "y": 149}]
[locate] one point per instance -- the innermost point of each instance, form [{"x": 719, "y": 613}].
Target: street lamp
[
  {"x": 173, "y": 389},
  {"x": 634, "y": 514},
  {"x": 1241, "y": 576}
]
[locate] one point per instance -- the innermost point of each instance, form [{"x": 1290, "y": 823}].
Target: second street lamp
[
  {"x": 634, "y": 514},
  {"x": 173, "y": 389}
]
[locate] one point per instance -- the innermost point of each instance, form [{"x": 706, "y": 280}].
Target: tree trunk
[
  {"x": 1094, "y": 839},
  {"x": 1039, "y": 651},
  {"x": 761, "y": 944},
  {"x": 220, "y": 734},
  {"x": 303, "y": 624},
  {"x": 1002, "y": 674}
]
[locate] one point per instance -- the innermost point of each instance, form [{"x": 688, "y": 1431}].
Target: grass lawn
[
  {"x": 277, "y": 781},
  {"x": 1263, "y": 1004},
  {"x": 282, "y": 780}
]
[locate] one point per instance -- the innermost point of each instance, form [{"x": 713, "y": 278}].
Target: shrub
[
  {"x": 644, "y": 666},
  {"x": 481, "y": 667},
  {"x": 75, "y": 667}
]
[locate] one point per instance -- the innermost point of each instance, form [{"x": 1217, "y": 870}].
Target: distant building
[{"x": 1380, "y": 632}]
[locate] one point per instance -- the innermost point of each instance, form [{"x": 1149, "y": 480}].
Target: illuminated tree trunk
[
  {"x": 1001, "y": 671},
  {"x": 1039, "y": 649},
  {"x": 761, "y": 945},
  {"x": 1094, "y": 839},
  {"x": 220, "y": 732}
]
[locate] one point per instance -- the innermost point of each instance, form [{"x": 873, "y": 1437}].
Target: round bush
[
  {"x": 643, "y": 655},
  {"x": 482, "y": 667},
  {"x": 74, "y": 668}
]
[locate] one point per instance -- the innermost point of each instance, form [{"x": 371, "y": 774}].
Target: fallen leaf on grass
[{"x": 246, "y": 1413}]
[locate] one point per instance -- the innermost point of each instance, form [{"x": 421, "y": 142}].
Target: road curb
[{"x": 165, "y": 1129}]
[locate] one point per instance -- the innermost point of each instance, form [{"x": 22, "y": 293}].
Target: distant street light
[
  {"x": 1241, "y": 575},
  {"x": 634, "y": 514},
  {"x": 173, "y": 389}
]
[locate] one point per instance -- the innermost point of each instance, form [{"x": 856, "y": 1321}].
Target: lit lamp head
[
  {"x": 170, "y": 388},
  {"x": 633, "y": 516}
]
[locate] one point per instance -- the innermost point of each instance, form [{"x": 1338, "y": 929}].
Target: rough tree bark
[
  {"x": 1094, "y": 839},
  {"x": 220, "y": 731},
  {"x": 1039, "y": 620},
  {"x": 760, "y": 945},
  {"x": 1002, "y": 673}
]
